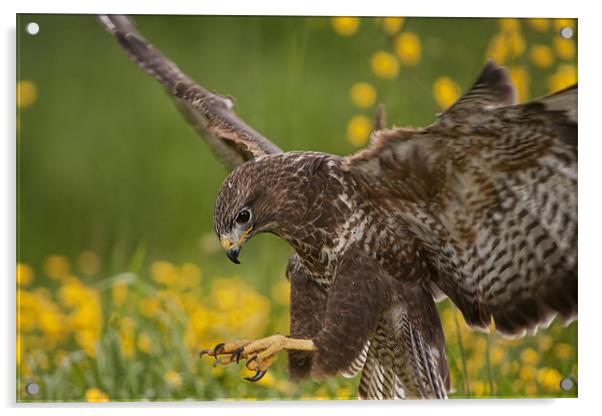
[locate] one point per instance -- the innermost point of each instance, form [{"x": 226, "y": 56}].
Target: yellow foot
[{"x": 259, "y": 354}]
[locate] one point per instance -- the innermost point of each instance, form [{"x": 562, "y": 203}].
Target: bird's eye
[{"x": 243, "y": 216}]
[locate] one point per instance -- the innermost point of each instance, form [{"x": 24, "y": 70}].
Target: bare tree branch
[{"x": 211, "y": 115}]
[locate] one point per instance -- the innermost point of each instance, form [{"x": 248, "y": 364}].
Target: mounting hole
[
  {"x": 566, "y": 384},
  {"x": 566, "y": 33},
  {"x": 32, "y": 389},
  {"x": 32, "y": 28}
]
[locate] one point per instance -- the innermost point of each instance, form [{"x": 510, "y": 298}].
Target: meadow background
[{"x": 120, "y": 279}]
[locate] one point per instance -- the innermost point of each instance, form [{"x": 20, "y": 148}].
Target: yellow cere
[{"x": 226, "y": 243}]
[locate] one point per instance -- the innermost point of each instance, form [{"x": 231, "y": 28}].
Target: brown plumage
[{"x": 481, "y": 207}]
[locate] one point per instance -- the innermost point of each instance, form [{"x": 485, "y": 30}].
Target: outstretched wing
[
  {"x": 490, "y": 191},
  {"x": 211, "y": 115}
]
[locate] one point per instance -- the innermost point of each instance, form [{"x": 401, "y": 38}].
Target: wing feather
[
  {"x": 491, "y": 194},
  {"x": 211, "y": 115}
]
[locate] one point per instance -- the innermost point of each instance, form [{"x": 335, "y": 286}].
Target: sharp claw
[
  {"x": 237, "y": 353},
  {"x": 258, "y": 375},
  {"x": 250, "y": 360},
  {"x": 218, "y": 349}
]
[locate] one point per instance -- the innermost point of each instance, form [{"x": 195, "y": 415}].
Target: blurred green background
[{"x": 115, "y": 190}]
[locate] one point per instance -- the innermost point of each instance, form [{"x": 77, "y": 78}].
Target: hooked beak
[
  {"x": 232, "y": 244},
  {"x": 232, "y": 254}
]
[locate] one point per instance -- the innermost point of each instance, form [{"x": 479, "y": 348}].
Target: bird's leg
[{"x": 259, "y": 354}]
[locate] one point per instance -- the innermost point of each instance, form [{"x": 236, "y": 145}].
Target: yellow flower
[
  {"x": 24, "y": 274},
  {"x": 190, "y": 275},
  {"x": 520, "y": 78},
  {"x": 285, "y": 386},
  {"x": 565, "y": 48},
  {"x": 516, "y": 43},
  {"x": 321, "y": 394},
  {"x": 149, "y": 307},
  {"x": 345, "y": 26},
  {"x": 358, "y": 130},
  {"x": 173, "y": 379},
  {"x": 95, "y": 395},
  {"x": 509, "y": 24},
  {"x": 544, "y": 342},
  {"x": 563, "y": 78},
  {"x": 164, "y": 272},
  {"x": 56, "y": 267},
  {"x": 88, "y": 263},
  {"x": 531, "y": 389},
  {"x": 392, "y": 25},
  {"x": 549, "y": 378},
  {"x": 145, "y": 343},
  {"x": 225, "y": 296},
  {"x": 529, "y": 356},
  {"x": 527, "y": 373},
  {"x": 541, "y": 56},
  {"x": 363, "y": 94},
  {"x": 384, "y": 65},
  {"x": 282, "y": 292},
  {"x": 445, "y": 91},
  {"x": 563, "y": 351},
  {"x": 498, "y": 49},
  {"x": 497, "y": 355},
  {"x": 18, "y": 348},
  {"x": 344, "y": 393},
  {"x": 517, "y": 386},
  {"x": 479, "y": 388},
  {"x": 475, "y": 363},
  {"x": 408, "y": 48},
  {"x": 87, "y": 340},
  {"x": 561, "y": 23},
  {"x": 27, "y": 93},
  {"x": 539, "y": 25},
  {"x": 119, "y": 292}
]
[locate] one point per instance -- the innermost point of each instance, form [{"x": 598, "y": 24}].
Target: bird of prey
[{"x": 479, "y": 207}]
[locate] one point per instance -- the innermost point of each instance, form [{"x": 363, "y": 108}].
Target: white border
[{"x": 589, "y": 206}]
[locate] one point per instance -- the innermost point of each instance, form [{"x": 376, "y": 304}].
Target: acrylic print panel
[{"x": 122, "y": 274}]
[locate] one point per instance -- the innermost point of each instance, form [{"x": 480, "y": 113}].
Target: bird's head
[{"x": 244, "y": 207}]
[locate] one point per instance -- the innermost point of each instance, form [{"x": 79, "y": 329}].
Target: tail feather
[{"x": 401, "y": 363}]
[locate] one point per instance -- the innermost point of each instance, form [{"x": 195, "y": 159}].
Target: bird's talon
[
  {"x": 258, "y": 375},
  {"x": 218, "y": 349},
  {"x": 249, "y": 361},
  {"x": 237, "y": 353}
]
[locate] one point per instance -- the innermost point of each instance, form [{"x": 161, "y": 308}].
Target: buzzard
[{"x": 479, "y": 207}]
